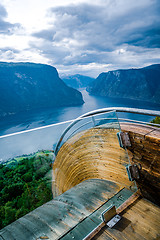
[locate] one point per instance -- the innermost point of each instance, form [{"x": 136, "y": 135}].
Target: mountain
[
  {"x": 26, "y": 86},
  {"x": 78, "y": 81},
  {"x": 139, "y": 84}
]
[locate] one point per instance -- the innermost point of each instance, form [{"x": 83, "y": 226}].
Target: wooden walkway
[{"x": 141, "y": 221}]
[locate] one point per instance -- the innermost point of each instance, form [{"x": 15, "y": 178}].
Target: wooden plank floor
[{"x": 141, "y": 221}]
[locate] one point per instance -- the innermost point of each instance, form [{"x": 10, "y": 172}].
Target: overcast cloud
[
  {"x": 86, "y": 38},
  {"x": 6, "y": 28}
]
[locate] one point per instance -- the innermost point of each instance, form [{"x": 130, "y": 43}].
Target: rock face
[
  {"x": 139, "y": 84},
  {"x": 78, "y": 81},
  {"x": 26, "y": 86}
]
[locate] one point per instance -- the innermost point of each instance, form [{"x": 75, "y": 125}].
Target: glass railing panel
[
  {"x": 107, "y": 120},
  {"x": 104, "y": 120}
]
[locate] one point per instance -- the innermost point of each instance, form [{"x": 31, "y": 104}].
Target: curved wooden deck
[{"x": 94, "y": 153}]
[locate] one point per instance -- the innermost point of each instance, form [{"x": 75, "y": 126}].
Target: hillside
[
  {"x": 139, "y": 84},
  {"x": 26, "y": 86},
  {"x": 78, "y": 81},
  {"x": 25, "y": 184}
]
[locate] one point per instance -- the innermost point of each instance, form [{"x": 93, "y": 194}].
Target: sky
[{"x": 81, "y": 36}]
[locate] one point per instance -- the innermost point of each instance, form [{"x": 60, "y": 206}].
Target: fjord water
[
  {"x": 30, "y": 142},
  {"x": 33, "y": 119}
]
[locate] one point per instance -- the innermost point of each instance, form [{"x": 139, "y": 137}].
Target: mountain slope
[
  {"x": 26, "y": 86},
  {"x": 78, "y": 81},
  {"x": 139, "y": 84}
]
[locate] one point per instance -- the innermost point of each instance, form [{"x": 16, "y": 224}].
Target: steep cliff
[
  {"x": 78, "y": 81},
  {"x": 26, "y": 86},
  {"x": 140, "y": 84}
]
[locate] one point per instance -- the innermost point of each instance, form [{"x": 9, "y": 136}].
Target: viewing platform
[{"x": 106, "y": 169}]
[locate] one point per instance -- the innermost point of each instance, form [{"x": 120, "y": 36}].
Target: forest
[{"x": 25, "y": 184}]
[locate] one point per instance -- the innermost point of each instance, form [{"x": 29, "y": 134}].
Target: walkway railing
[
  {"x": 54, "y": 135},
  {"x": 102, "y": 111}
]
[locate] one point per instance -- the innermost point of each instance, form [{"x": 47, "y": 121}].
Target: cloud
[
  {"x": 3, "y": 12},
  {"x": 8, "y": 53},
  {"x": 14, "y": 50},
  {"x": 85, "y": 33},
  {"x": 6, "y": 28},
  {"x": 102, "y": 27}
]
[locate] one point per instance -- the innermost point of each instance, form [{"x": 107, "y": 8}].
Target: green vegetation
[
  {"x": 156, "y": 120},
  {"x": 25, "y": 184}
]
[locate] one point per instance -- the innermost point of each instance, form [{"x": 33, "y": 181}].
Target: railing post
[{"x": 93, "y": 120}]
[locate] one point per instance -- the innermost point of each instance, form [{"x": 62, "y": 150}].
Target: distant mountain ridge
[
  {"x": 77, "y": 81},
  {"x": 28, "y": 86},
  {"x": 138, "y": 84}
]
